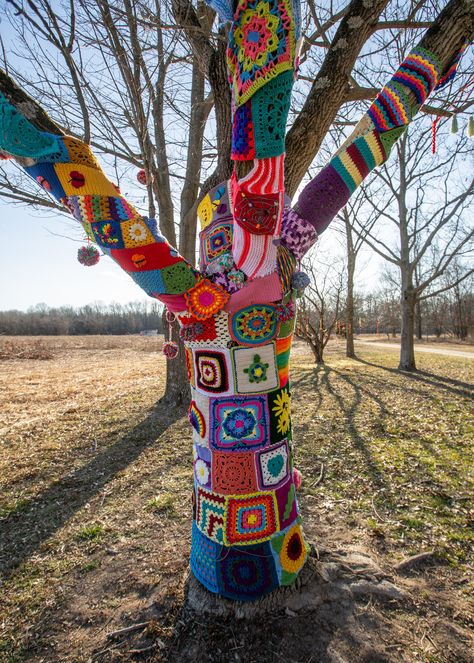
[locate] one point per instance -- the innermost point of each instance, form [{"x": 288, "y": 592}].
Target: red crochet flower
[{"x": 205, "y": 299}]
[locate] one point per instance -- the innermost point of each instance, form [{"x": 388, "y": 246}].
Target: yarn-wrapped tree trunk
[{"x": 237, "y": 312}]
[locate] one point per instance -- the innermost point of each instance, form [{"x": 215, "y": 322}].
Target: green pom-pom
[{"x": 454, "y": 124}]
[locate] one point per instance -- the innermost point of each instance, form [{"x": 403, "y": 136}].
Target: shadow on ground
[{"x": 22, "y": 533}]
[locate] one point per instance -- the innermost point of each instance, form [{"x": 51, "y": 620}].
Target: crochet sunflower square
[
  {"x": 251, "y": 519},
  {"x": 255, "y": 369},
  {"x": 290, "y": 552},
  {"x": 233, "y": 474},
  {"x": 244, "y": 574},
  {"x": 273, "y": 466},
  {"x": 212, "y": 371},
  {"x": 239, "y": 423},
  {"x": 210, "y": 514},
  {"x": 135, "y": 232},
  {"x": 279, "y": 405}
]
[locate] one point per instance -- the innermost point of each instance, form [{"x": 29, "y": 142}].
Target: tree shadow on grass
[
  {"x": 24, "y": 531},
  {"x": 320, "y": 380},
  {"x": 456, "y": 387}
]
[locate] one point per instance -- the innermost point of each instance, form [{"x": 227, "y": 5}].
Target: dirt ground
[{"x": 95, "y": 512}]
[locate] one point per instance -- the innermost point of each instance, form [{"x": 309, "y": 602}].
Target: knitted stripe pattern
[{"x": 372, "y": 141}]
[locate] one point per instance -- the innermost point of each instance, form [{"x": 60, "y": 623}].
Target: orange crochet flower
[{"x": 205, "y": 299}]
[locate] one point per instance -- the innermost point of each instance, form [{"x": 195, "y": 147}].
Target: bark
[{"x": 419, "y": 320}]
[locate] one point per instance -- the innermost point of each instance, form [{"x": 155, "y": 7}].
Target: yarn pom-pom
[
  {"x": 88, "y": 255},
  {"x": 170, "y": 349},
  {"x": 226, "y": 261},
  {"x": 300, "y": 281},
  {"x": 297, "y": 478},
  {"x": 236, "y": 276},
  {"x": 142, "y": 178}
]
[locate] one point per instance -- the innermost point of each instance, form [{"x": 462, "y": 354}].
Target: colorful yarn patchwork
[
  {"x": 251, "y": 518},
  {"x": 202, "y": 472},
  {"x": 279, "y": 406},
  {"x": 211, "y": 332},
  {"x": 450, "y": 71},
  {"x": 243, "y": 141},
  {"x": 270, "y": 106},
  {"x": 214, "y": 206},
  {"x": 205, "y": 299},
  {"x": 253, "y": 325},
  {"x": 20, "y": 138},
  {"x": 239, "y": 423},
  {"x": 211, "y": 371},
  {"x": 246, "y": 574},
  {"x": 255, "y": 369},
  {"x": 418, "y": 72},
  {"x": 287, "y": 504},
  {"x": 391, "y": 108},
  {"x": 273, "y": 466},
  {"x": 233, "y": 474},
  {"x": 210, "y": 514},
  {"x": 283, "y": 349},
  {"x": 92, "y": 208},
  {"x": 204, "y": 555},
  {"x": 290, "y": 552},
  {"x": 261, "y": 45},
  {"x": 286, "y": 263},
  {"x": 216, "y": 239},
  {"x": 297, "y": 234},
  {"x": 196, "y": 419}
]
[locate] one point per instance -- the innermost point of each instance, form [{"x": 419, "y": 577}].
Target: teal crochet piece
[{"x": 19, "y": 137}]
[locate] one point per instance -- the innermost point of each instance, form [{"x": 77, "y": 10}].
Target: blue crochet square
[
  {"x": 204, "y": 556},
  {"x": 45, "y": 175},
  {"x": 151, "y": 282}
]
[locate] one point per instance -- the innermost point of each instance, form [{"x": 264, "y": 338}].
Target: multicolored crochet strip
[{"x": 372, "y": 141}]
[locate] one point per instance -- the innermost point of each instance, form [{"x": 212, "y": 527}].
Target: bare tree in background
[{"x": 320, "y": 305}]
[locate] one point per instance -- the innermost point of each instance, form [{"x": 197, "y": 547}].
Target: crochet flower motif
[
  {"x": 293, "y": 552},
  {"x": 282, "y": 411},
  {"x": 257, "y": 371},
  {"x": 138, "y": 232},
  {"x": 240, "y": 423},
  {"x": 205, "y": 299},
  {"x": 202, "y": 472},
  {"x": 256, "y": 36}
]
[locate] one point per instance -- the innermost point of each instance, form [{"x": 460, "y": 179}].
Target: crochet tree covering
[{"x": 237, "y": 312}]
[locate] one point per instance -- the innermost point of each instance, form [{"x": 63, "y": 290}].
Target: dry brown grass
[{"x": 95, "y": 482}]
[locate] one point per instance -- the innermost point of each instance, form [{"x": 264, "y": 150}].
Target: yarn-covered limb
[
  {"x": 67, "y": 169},
  {"x": 376, "y": 133}
]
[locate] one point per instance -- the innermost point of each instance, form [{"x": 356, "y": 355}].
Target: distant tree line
[{"x": 41, "y": 320}]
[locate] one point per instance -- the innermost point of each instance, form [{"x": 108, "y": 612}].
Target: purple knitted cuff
[
  {"x": 322, "y": 198},
  {"x": 297, "y": 234}
]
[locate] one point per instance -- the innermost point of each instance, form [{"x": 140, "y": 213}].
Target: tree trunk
[
  {"x": 419, "y": 328},
  {"x": 351, "y": 259},
  {"x": 177, "y": 391},
  {"x": 407, "y": 347}
]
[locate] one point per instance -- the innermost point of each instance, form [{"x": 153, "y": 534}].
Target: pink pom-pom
[
  {"x": 297, "y": 478},
  {"x": 88, "y": 255},
  {"x": 170, "y": 349}
]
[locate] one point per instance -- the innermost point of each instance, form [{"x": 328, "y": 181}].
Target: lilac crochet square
[
  {"x": 322, "y": 198},
  {"x": 297, "y": 234}
]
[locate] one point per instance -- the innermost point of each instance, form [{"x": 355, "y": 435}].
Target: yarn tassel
[
  {"x": 454, "y": 124},
  {"x": 470, "y": 127},
  {"x": 433, "y": 135}
]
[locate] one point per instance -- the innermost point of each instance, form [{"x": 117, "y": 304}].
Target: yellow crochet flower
[
  {"x": 282, "y": 411},
  {"x": 293, "y": 550},
  {"x": 256, "y": 36}
]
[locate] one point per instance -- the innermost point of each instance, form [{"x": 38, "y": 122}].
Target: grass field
[{"x": 95, "y": 489}]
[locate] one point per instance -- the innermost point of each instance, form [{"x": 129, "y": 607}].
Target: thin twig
[{"x": 128, "y": 629}]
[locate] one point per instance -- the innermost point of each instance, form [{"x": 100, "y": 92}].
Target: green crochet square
[
  {"x": 270, "y": 106},
  {"x": 178, "y": 278}
]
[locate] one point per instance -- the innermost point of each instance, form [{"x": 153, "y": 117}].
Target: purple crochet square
[
  {"x": 297, "y": 234},
  {"x": 322, "y": 198}
]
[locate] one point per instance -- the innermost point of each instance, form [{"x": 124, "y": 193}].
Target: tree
[
  {"x": 434, "y": 224},
  {"x": 237, "y": 313}
]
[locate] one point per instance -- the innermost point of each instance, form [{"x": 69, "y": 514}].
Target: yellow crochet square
[
  {"x": 204, "y": 211},
  {"x": 79, "y": 180},
  {"x": 374, "y": 148},
  {"x": 135, "y": 233},
  {"x": 80, "y": 153}
]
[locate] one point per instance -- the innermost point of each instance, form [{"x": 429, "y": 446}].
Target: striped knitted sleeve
[
  {"x": 371, "y": 142},
  {"x": 66, "y": 168}
]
